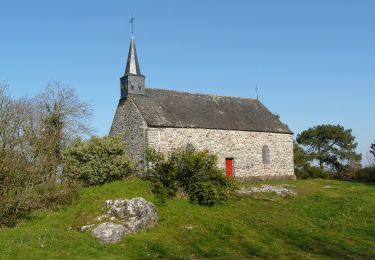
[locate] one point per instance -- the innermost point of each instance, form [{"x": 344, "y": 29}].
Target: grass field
[{"x": 321, "y": 222}]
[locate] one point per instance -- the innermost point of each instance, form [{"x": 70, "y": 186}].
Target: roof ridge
[{"x": 202, "y": 94}]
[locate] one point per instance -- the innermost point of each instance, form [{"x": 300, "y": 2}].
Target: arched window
[{"x": 266, "y": 154}]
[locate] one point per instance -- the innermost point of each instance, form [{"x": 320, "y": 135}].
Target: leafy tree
[
  {"x": 331, "y": 145},
  {"x": 372, "y": 149},
  {"x": 301, "y": 159},
  {"x": 62, "y": 117},
  {"x": 39, "y": 128},
  {"x": 301, "y": 162},
  {"x": 33, "y": 133}
]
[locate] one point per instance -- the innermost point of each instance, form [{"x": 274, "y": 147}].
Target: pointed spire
[{"x": 132, "y": 65}]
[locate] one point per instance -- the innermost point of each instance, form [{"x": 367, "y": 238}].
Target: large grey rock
[
  {"x": 137, "y": 212},
  {"x": 109, "y": 232},
  {"x": 123, "y": 217}
]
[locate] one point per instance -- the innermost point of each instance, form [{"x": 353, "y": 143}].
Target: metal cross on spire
[{"x": 132, "y": 19}]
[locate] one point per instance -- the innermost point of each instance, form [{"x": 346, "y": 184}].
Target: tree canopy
[
  {"x": 331, "y": 145},
  {"x": 301, "y": 159},
  {"x": 372, "y": 149},
  {"x": 33, "y": 132}
]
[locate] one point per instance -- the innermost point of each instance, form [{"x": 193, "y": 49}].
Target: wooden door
[{"x": 229, "y": 167}]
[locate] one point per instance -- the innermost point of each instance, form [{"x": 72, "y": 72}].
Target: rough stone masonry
[{"x": 244, "y": 147}]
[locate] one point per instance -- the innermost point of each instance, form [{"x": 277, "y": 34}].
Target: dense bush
[
  {"x": 22, "y": 189},
  {"x": 53, "y": 195},
  {"x": 17, "y": 177},
  {"x": 14, "y": 206},
  {"x": 365, "y": 175},
  {"x": 97, "y": 161},
  {"x": 311, "y": 172},
  {"x": 189, "y": 171},
  {"x": 18, "y": 202},
  {"x": 348, "y": 174}
]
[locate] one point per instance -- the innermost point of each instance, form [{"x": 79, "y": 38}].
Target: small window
[{"x": 266, "y": 154}]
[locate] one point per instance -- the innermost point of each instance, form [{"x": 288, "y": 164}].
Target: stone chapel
[{"x": 251, "y": 143}]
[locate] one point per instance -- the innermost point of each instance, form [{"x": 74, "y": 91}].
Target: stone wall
[
  {"x": 243, "y": 146},
  {"x": 129, "y": 123}
]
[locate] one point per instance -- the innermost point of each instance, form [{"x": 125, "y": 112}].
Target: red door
[{"x": 229, "y": 166}]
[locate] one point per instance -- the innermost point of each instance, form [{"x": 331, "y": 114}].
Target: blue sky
[{"x": 313, "y": 60}]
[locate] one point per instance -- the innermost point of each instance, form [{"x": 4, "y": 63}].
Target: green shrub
[
  {"x": 97, "y": 161},
  {"x": 53, "y": 195},
  {"x": 365, "y": 175},
  {"x": 311, "y": 172},
  {"x": 17, "y": 203},
  {"x": 162, "y": 175},
  {"x": 14, "y": 205},
  {"x": 22, "y": 189},
  {"x": 17, "y": 176},
  {"x": 193, "y": 172},
  {"x": 346, "y": 173},
  {"x": 210, "y": 192}
]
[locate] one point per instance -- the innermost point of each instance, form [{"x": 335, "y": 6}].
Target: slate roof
[{"x": 167, "y": 108}]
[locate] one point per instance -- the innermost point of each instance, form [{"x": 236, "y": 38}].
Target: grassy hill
[{"x": 327, "y": 219}]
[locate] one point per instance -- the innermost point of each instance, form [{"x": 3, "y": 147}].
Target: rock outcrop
[
  {"x": 137, "y": 213},
  {"x": 109, "y": 232},
  {"x": 281, "y": 190},
  {"x": 123, "y": 217}
]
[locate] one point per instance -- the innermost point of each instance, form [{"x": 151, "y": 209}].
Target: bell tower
[{"x": 133, "y": 81}]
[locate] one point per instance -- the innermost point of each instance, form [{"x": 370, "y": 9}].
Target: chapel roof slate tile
[{"x": 168, "y": 108}]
